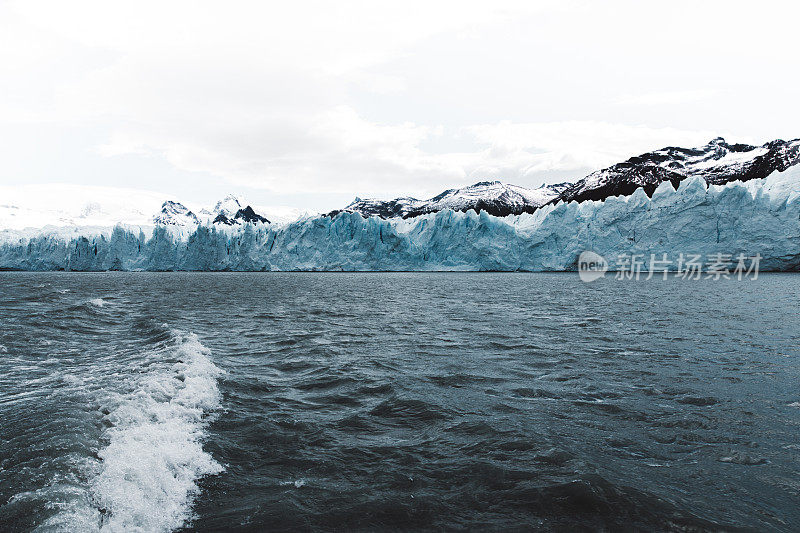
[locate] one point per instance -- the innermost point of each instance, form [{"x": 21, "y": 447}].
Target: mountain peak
[
  {"x": 175, "y": 214},
  {"x": 229, "y": 205},
  {"x": 495, "y": 197},
  {"x": 242, "y": 216},
  {"x": 229, "y": 211}
]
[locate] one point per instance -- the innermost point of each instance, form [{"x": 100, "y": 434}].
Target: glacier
[{"x": 760, "y": 216}]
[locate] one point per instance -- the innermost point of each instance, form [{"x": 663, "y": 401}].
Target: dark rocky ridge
[
  {"x": 717, "y": 162},
  {"x": 398, "y": 207},
  {"x": 493, "y": 197},
  {"x": 244, "y": 215}
]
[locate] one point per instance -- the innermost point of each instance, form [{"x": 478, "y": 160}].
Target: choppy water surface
[{"x": 412, "y": 401}]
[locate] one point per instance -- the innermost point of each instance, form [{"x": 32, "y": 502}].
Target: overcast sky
[{"x": 312, "y": 103}]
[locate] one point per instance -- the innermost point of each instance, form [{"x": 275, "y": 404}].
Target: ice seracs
[
  {"x": 712, "y": 199},
  {"x": 754, "y": 217}
]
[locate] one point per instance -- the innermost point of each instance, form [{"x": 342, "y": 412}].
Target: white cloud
[
  {"x": 525, "y": 149},
  {"x": 379, "y": 98},
  {"x": 338, "y": 149},
  {"x": 668, "y": 97}
]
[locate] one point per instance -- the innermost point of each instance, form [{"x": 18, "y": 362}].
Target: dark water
[{"x": 397, "y": 401}]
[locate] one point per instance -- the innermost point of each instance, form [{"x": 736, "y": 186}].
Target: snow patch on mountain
[
  {"x": 372, "y": 207},
  {"x": 723, "y": 158},
  {"x": 175, "y": 214},
  {"x": 495, "y": 197},
  {"x": 228, "y": 206},
  {"x": 492, "y": 196},
  {"x": 233, "y": 210}
]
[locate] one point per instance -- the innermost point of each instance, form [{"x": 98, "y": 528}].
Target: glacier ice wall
[{"x": 756, "y": 217}]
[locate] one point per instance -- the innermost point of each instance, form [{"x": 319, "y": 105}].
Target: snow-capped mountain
[
  {"x": 370, "y": 207},
  {"x": 228, "y": 206},
  {"x": 494, "y": 197},
  {"x": 233, "y": 210},
  {"x": 241, "y": 216},
  {"x": 717, "y": 162},
  {"x": 24, "y": 209},
  {"x": 175, "y": 214}
]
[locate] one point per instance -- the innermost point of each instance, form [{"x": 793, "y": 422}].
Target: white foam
[
  {"x": 97, "y": 302},
  {"x": 76, "y": 512},
  {"x": 147, "y": 477},
  {"x": 71, "y": 379}
]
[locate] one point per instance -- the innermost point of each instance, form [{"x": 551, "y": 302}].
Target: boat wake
[{"x": 147, "y": 473}]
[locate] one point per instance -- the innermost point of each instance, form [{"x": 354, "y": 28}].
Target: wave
[{"x": 147, "y": 476}]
